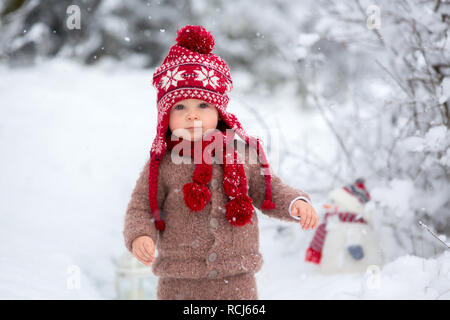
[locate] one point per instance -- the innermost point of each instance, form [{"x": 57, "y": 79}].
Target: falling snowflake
[
  {"x": 171, "y": 78},
  {"x": 207, "y": 77}
]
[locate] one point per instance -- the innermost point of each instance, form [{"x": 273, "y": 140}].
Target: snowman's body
[{"x": 349, "y": 247}]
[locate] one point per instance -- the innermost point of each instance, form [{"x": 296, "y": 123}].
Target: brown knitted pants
[{"x": 238, "y": 287}]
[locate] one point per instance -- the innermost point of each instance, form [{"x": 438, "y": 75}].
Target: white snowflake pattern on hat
[
  {"x": 171, "y": 78},
  {"x": 207, "y": 77}
]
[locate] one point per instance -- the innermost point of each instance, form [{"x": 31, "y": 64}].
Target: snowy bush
[{"x": 393, "y": 127}]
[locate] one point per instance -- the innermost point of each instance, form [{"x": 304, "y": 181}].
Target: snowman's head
[
  {"x": 331, "y": 205},
  {"x": 345, "y": 201},
  {"x": 350, "y": 198}
]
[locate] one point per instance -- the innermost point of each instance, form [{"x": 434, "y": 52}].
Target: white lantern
[{"x": 134, "y": 280}]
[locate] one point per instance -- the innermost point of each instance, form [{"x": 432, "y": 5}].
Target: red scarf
[{"x": 239, "y": 209}]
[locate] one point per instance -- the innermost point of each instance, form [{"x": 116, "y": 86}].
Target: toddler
[{"x": 196, "y": 202}]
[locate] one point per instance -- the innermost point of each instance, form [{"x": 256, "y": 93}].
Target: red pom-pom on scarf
[
  {"x": 239, "y": 211},
  {"x": 196, "y": 196}
]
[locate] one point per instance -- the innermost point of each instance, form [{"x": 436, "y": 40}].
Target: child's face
[{"x": 190, "y": 113}]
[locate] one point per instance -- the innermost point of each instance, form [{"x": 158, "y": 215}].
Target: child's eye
[
  {"x": 179, "y": 107},
  {"x": 204, "y": 105}
]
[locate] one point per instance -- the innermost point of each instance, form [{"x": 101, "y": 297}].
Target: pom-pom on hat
[
  {"x": 192, "y": 71},
  {"x": 195, "y": 38}
]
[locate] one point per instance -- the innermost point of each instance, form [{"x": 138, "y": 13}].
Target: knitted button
[
  {"x": 212, "y": 257},
  {"x": 214, "y": 183},
  {"x": 214, "y": 223},
  {"x": 195, "y": 243},
  {"x": 212, "y": 274}
]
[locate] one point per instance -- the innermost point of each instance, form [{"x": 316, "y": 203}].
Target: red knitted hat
[{"x": 191, "y": 71}]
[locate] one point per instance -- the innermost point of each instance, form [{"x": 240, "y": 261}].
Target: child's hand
[
  {"x": 144, "y": 249},
  {"x": 307, "y": 214}
]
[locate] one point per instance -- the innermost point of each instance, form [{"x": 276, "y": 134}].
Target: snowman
[{"x": 345, "y": 241}]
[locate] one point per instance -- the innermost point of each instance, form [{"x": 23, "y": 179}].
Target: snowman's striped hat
[{"x": 351, "y": 197}]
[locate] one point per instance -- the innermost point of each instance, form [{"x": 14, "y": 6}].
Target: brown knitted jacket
[{"x": 203, "y": 244}]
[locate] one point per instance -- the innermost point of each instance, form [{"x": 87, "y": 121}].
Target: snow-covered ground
[{"x": 72, "y": 142}]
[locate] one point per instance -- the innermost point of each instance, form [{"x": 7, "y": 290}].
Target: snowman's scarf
[{"x": 314, "y": 252}]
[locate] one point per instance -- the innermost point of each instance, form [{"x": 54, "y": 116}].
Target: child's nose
[{"x": 192, "y": 116}]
